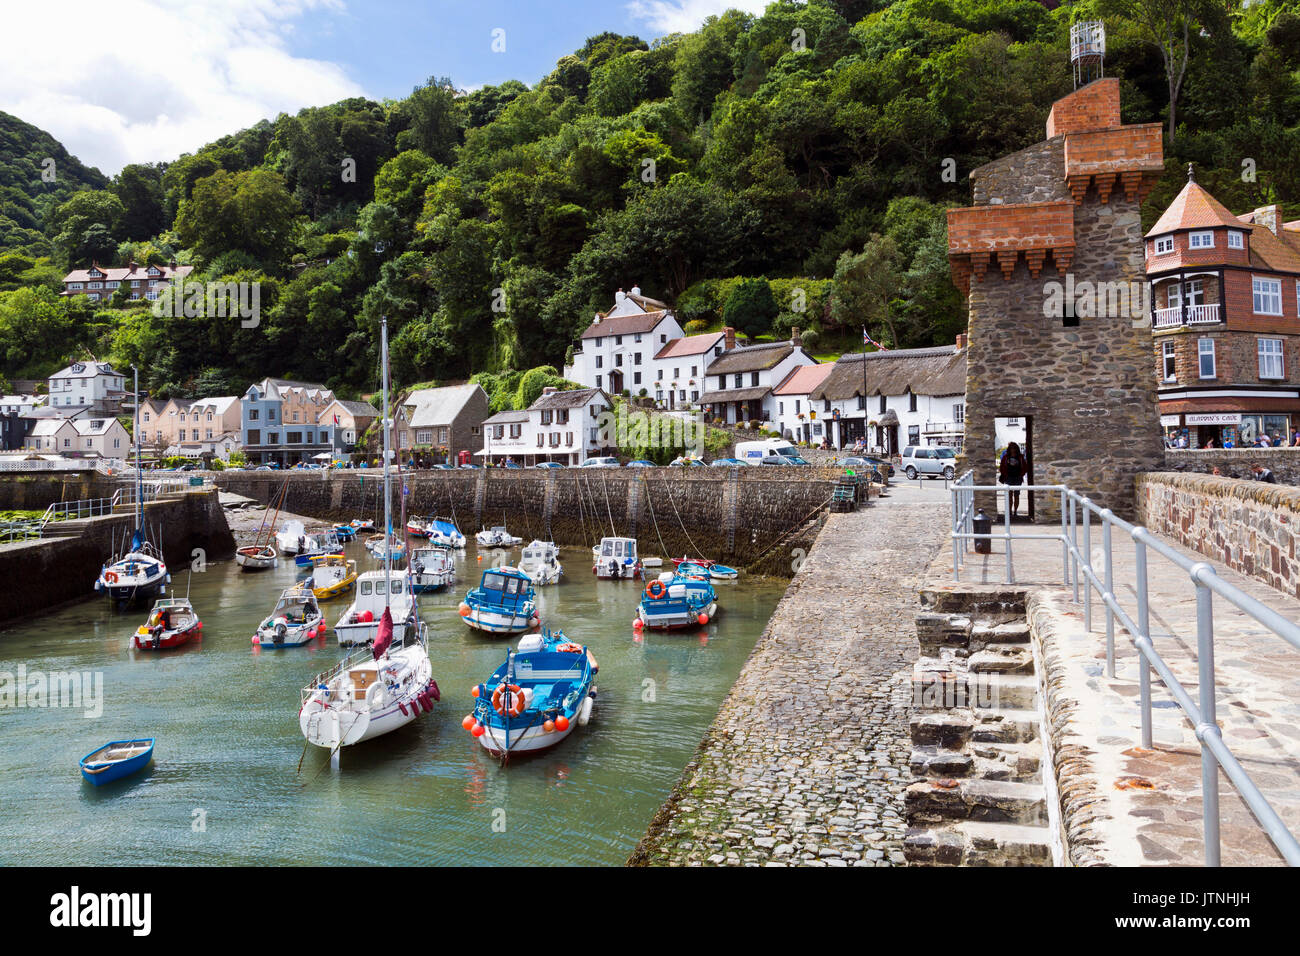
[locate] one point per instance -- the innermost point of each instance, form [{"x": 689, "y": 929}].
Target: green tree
[
  {"x": 248, "y": 211},
  {"x": 751, "y": 308},
  {"x": 88, "y": 226}
]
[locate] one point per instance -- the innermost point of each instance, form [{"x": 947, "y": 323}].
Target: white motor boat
[
  {"x": 292, "y": 538},
  {"x": 541, "y": 562},
  {"x": 359, "y": 624},
  {"x": 496, "y": 537},
  {"x": 432, "y": 569},
  {"x": 616, "y": 558}
]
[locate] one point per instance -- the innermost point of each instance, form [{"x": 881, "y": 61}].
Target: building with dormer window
[
  {"x": 1225, "y": 317},
  {"x": 87, "y": 388},
  {"x": 141, "y": 282},
  {"x": 284, "y": 422},
  {"x": 617, "y": 351}
]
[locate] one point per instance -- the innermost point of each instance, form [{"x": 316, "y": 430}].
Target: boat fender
[
  {"x": 433, "y": 690},
  {"x": 401, "y": 705},
  {"x": 584, "y": 713}
]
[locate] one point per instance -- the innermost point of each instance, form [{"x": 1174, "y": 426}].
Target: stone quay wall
[
  {"x": 37, "y": 490},
  {"x": 56, "y": 570},
  {"x": 1248, "y": 525},
  {"x": 753, "y": 517},
  {"x": 1236, "y": 462}
]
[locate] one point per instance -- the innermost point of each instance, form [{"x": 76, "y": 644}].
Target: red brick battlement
[
  {"x": 976, "y": 234},
  {"x": 1091, "y": 107},
  {"x": 1127, "y": 157}
]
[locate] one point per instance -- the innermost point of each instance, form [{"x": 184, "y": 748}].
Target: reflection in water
[{"x": 225, "y": 716}]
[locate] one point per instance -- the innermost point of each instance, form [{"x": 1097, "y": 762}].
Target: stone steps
[{"x": 977, "y": 751}]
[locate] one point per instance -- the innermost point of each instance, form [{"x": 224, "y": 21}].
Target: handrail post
[
  {"x": 1209, "y": 717},
  {"x": 956, "y": 519},
  {"x": 1006, "y": 514},
  {"x": 1110, "y": 594},
  {"x": 1087, "y": 564},
  {"x": 1074, "y": 543},
  {"x": 1144, "y": 631},
  {"x": 1065, "y": 541}
]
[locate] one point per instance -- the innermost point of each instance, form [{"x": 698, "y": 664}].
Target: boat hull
[
  {"x": 117, "y": 769},
  {"x": 327, "y": 724},
  {"x": 297, "y": 636},
  {"x": 674, "y": 618},
  {"x": 492, "y": 621},
  {"x": 169, "y": 640},
  {"x": 497, "y": 742},
  {"x": 253, "y": 559},
  {"x": 128, "y": 593}
]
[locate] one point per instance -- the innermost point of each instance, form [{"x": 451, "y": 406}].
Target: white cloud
[
  {"x": 683, "y": 16},
  {"x": 147, "y": 80}
]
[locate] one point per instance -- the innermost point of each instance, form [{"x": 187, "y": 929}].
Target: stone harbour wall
[
  {"x": 56, "y": 570},
  {"x": 36, "y": 491},
  {"x": 754, "y": 517},
  {"x": 1236, "y": 462},
  {"x": 1248, "y": 525}
]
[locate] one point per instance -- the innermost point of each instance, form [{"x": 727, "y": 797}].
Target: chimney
[
  {"x": 619, "y": 296},
  {"x": 1270, "y": 218},
  {"x": 961, "y": 342},
  {"x": 130, "y": 265},
  {"x": 636, "y": 290},
  {"x": 795, "y": 339},
  {"x": 549, "y": 389},
  {"x": 729, "y": 338}
]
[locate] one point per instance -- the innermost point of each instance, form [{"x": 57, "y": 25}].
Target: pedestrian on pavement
[
  {"x": 1262, "y": 474},
  {"x": 1011, "y": 472}
]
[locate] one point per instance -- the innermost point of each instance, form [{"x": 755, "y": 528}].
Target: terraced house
[
  {"x": 442, "y": 422},
  {"x": 283, "y": 422},
  {"x": 1225, "y": 295},
  {"x": 141, "y": 282},
  {"x": 740, "y": 381}
]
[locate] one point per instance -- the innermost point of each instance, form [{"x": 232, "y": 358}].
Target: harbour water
[{"x": 225, "y": 786}]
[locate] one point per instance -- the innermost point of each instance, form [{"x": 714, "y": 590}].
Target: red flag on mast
[{"x": 384, "y": 637}]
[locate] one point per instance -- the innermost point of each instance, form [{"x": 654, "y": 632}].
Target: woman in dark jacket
[{"x": 1011, "y": 471}]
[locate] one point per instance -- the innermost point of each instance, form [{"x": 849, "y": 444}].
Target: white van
[{"x": 755, "y": 451}]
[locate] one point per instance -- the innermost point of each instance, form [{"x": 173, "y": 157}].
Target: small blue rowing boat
[{"x": 116, "y": 760}]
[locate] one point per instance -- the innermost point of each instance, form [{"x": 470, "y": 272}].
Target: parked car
[
  {"x": 468, "y": 465},
  {"x": 934, "y": 461},
  {"x": 548, "y": 464},
  {"x": 603, "y": 462},
  {"x": 641, "y": 463},
  {"x": 686, "y": 461},
  {"x": 756, "y": 451},
  {"x": 787, "y": 460},
  {"x": 444, "y": 467},
  {"x": 726, "y": 462}
]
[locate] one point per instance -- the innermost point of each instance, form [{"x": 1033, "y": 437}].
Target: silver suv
[{"x": 933, "y": 461}]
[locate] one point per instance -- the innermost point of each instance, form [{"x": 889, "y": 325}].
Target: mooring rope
[{"x": 682, "y": 523}]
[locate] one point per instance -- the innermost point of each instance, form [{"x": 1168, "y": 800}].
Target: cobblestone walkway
[{"x": 807, "y": 760}]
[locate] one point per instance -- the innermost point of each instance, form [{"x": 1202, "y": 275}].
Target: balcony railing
[{"x": 1172, "y": 318}]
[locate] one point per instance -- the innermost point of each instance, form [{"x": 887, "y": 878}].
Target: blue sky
[{"x": 212, "y": 67}]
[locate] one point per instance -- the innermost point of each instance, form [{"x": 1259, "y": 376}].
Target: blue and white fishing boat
[
  {"x": 296, "y": 621},
  {"x": 345, "y": 532},
  {"x": 117, "y": 759},
  {"x": 721, "y": 572},
  {"x": 318, "y": 548},
  {"x": 140, "y": 574},
  {"x": 431, "y": 569},
  {"x": 674, "y": 600},
  {"x": 502, "y": 603},
  {"x": 533, "y": 701},
  {"x": 703, "y": 567},
  {"x": 391, "y": 548},
  {"x": 443, "y": 531}
]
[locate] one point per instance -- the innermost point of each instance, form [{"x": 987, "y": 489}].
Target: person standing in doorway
[{"x": 1011, "y": 472}]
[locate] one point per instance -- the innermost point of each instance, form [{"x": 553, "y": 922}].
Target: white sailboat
[{"x": 379, "y": 688}]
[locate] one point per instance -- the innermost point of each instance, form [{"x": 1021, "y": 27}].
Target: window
[
  {"x": 546, "y": 417},
  {"x": 1169, "y": 366},
  {"x": 780, "y": 408},
  {"x": 516, "y": 430},
  {"x": 1267, "y": 296},
  {"x": 753, "y": 379},
  {"x": 740, "y": 380},
  {"x": 958, "y": 413},
  {"x": 882, "y": 404},
  {"x": 1270, "y": 358},
  {"x": 636, "y": 358},
  {"x": 1235, "y": 240},
  {"x": 424, "y": 437},
  {"x": 659, "y": 375},
  {"x": 637, "y": 338},
  {"x": 911, "y": 401},
  {"x": 1205, "y": 354},
  {"x": 1201, "y": 240},
  {"x": 252, "y": 414},
  {"x": 1164, "y": 245},
  {"x": 636, "y": 378},
  {"x": 618, "y": 360},
  {"x": 599, "y": 340},
  {"x": 598, "y": 385},
  {"x": 618, "y": 340},
  {"x": 600, "y": 361}
]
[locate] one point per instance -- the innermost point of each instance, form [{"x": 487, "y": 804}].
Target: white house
[
  {"x": 796, "y": 418},
  {"x": 20, "y": 405},
  {"x": 739, "y": 383},
  {"x": 559, "y": 426},
  {"x": 80, "y": 437},
  {"x": 90, "y": 387},
  {"x": 677, "y": 369},
  {"x": 616, "y": 351},
  {"x": 900, "y": 397}
]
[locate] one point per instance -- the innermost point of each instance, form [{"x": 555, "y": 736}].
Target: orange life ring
[
  {"x": 569, "y": 648},
  {"x": 655, "y": 589},
  {"x": 110, "y": 577},
  {"x": 517, "y": 699}
]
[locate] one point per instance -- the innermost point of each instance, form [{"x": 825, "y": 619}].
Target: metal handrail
[{"x": 1076, "y": 510}]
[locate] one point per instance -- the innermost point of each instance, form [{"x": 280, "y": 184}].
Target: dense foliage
[{"x": 800, "y": 160}]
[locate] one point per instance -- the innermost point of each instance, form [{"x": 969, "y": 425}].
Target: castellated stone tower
[{"x": 1051, "y": 258}]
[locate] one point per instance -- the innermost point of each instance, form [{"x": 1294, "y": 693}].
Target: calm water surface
[{"x": 225, "y": 717}]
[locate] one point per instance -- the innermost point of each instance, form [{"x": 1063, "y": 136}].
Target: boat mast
[
  {"x": 139, "y": 478},
  {"x": 388, "y": 504}
]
